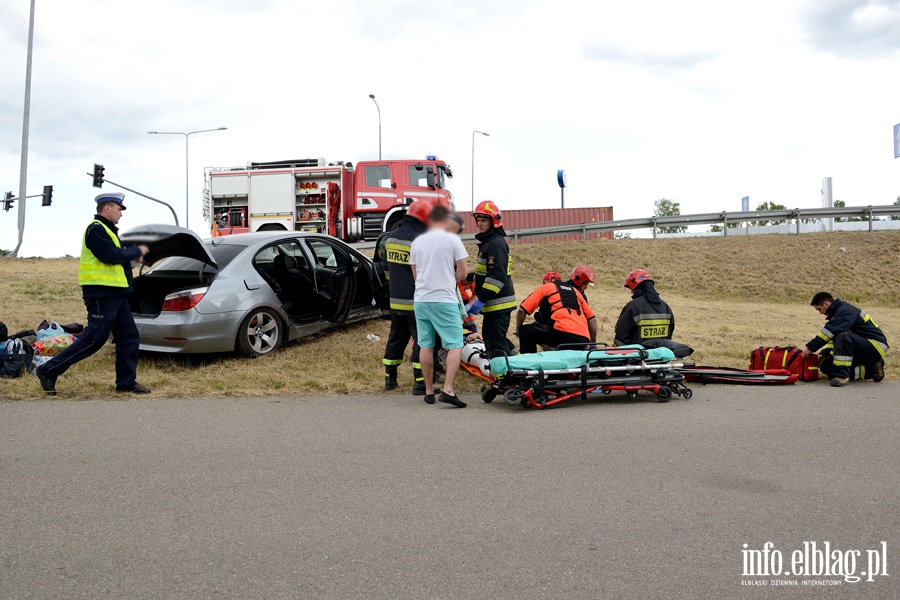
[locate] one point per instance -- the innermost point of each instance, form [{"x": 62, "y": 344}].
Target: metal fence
[{"x": 798, "y": 215}]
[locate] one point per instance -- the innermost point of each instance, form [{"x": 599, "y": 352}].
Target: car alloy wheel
[{"x": 260, "y": 333}]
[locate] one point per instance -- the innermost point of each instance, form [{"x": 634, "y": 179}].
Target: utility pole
[{"x": 23, "y": 164}]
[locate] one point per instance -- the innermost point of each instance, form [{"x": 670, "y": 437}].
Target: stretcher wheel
[
  {"x": 686, "y": 393},
  {"x": 513, "y": 396},
  {"x": 632, "y": 395},
  {"x": 488, "y": 393},
  {"x": 664, "y": 394}
]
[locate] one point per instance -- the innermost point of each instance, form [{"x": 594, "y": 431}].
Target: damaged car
[{"x": 249, "y": 292}]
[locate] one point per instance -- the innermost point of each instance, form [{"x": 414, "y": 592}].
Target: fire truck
[{"x": 351, "y": 203}]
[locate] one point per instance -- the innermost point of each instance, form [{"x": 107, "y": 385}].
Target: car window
[
  {"x": 378, "y": 176},
  {"x": 327, "y": 255},
  {"x": 418, "y": 177},
  {"x": 266, "y": 256}
]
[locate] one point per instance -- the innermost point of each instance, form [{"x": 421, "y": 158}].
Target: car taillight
[{"x": 186, "y": 300}]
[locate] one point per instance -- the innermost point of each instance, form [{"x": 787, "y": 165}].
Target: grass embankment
[{"x": 729, "y": 296}]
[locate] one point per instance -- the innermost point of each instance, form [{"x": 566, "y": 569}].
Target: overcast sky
[{"x": 699, "y": 101}]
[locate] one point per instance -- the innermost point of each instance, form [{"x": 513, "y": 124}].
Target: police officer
[
  {"x": 647, "y": 316},
  {"x": 561, "y": 312},
  {"x": 402, "y": 290},
  {"x": 104, "y": 273},
  {"x": 495, "y": 297},
  {"x": 856, "y": 339}
]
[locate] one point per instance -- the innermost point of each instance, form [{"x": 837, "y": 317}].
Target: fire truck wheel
[{"x": 259, "y": 333}]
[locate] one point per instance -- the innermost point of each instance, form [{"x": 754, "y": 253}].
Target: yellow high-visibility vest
[{"x": 93, "y": 272}]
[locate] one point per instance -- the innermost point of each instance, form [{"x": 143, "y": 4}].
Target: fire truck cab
[{"x": 351, "y": 203}]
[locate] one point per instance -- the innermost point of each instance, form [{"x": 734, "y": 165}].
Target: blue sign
[
  {"x": 561, "y": 178},
  {"x": 897, "y": 140},
  {"x": 745, "y": 203}
]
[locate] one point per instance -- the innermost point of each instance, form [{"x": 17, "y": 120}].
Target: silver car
[{"x": 247, "y": 293}]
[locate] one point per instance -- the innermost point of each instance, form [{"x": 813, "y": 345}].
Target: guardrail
[{"x": 719, "y": 218}]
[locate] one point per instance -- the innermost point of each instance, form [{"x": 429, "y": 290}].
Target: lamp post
[
  {"x": 473, "y": 163},
  {"x": 26, "y": 116},
  {"x": 187, "y": 135},
  {"x": 372, "y": 96}
]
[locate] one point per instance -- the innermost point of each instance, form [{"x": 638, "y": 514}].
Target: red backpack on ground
[{"x": 787, "y": 358}]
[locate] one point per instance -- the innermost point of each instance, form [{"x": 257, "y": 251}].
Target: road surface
[{"x": 386, "y": 497}]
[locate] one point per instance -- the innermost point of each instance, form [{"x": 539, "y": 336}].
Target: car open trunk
[{"x": 177, "y": 260}]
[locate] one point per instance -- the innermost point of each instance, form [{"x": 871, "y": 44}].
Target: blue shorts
[{"x": 442, "y": 318}]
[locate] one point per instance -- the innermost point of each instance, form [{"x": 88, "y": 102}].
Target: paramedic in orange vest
[
  {"x": 561, "y": 313},
  {"x": 104, "y": 273}
]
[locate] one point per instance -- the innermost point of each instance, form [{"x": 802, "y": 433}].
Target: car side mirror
[{"x": 429, "y": 177}]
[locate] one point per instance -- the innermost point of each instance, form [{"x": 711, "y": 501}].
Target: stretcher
[{"x": 548, "y": 379}]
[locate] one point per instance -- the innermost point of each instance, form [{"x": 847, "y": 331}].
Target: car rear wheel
[{"x": 259, "y": 333}]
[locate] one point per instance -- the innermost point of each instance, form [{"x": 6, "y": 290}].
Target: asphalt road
[{"x": 386, "y": 497}]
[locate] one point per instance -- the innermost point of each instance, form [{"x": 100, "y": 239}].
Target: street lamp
[
  {"x": 372, "y": 96},
  {"x": 473, "y": 163},
  {"x": 187, "y": 135}
]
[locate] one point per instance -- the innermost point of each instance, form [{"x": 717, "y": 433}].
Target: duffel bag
[{"x": 787, "y": 358}]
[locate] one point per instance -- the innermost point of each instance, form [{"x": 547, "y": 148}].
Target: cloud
[
  {"x": 857, "y": 29},
  {"x": 385, "y": 19},
  {"x": 653, "y": 61}
]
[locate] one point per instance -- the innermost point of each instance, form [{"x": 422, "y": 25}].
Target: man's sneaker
[
  {"x": 454, "y": 400},
  {"x": 418, "y": 388},
  {"x": 48, "y": 384},
  {"x": 390, "y": 384},
  {"x": 839, "y": 381},
  {"x": 878, "y": 373},
  {"x": 135, "y": 389}
]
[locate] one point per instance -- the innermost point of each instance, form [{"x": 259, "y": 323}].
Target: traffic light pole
[
  {"x": 167, "y": 205},
  {"x": 23, "y": 165}
]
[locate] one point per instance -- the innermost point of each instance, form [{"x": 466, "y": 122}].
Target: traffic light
[
  {"x": 8, "y": 201},
  {"x": 98, "y": 175},
  {"x": 47, "y": 195}
]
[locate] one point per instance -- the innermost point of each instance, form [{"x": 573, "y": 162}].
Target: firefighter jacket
[
  {"x": 842, "y": 317},
  {"x": 561, "y": 306},
  {"x": 402, "y": 284},
  {"x": 646, "y": 317},
  {"x": 493, "y": 273}
]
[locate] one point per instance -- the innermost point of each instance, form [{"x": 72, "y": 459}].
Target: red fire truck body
[{"x": 351, "y": 203}]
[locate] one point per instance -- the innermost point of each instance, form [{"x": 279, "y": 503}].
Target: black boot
[
  {"x": 390, "y": 378},
  {"x": 419, "y": 385}
]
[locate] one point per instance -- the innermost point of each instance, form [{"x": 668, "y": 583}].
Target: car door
[{"x": 335, "y": 276}]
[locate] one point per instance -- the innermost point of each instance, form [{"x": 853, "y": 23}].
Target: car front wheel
[{"x": 259, "y": 333}]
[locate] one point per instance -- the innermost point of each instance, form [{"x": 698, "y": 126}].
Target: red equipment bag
[{"x": 787, "y": 358}]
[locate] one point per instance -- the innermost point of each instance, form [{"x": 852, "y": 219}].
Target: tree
[
  {"x": 622, "y": 235},
  {"x": 769, "y": 206},
  {"x": 718, "y": 228},
  {"x": 896, "y": 203},
  {"x": 842, "y": 204},
  {"x": 664, "y": 207}
]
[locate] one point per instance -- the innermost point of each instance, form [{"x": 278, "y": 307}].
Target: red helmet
[
  {"x": 420, "y": 209},
  {"x": 635, "y": 277},
  {"x": 552, "y": 276},
  {"x": 488, "y": 208},
  {"x": 581, "y": 275}
]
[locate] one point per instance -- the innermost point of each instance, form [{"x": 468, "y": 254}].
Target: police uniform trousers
[{"x": 106, "y": 316}]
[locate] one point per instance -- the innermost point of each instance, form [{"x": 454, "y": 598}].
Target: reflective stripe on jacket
[
  {"x": 396, "y": 249},
  {"x": 493, "y": 274},
  {"x": 844, "y": 317},
  {"x": 91, "y": 271}
]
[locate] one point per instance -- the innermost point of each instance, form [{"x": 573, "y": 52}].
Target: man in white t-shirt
[{"x": 438, "y": 261}]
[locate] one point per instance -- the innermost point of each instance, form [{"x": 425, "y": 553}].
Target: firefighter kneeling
[{"x": 561, "y": 313}]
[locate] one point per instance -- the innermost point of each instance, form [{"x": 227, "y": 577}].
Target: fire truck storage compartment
[
  {"x": 270, "y": 194},
  {"x": 311, "y": 193}
]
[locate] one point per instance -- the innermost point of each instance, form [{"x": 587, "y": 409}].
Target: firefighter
[
  {"x": 104, "y": 274},
  {"x": 561, "y": 313},
  {"x": 456, "y": 225},
  {"x": 495, "y": 297},
  {"x": 855, "y": 338},
  {"x": 402, "y": 288},
  {"x": 647, "y": 316}
]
